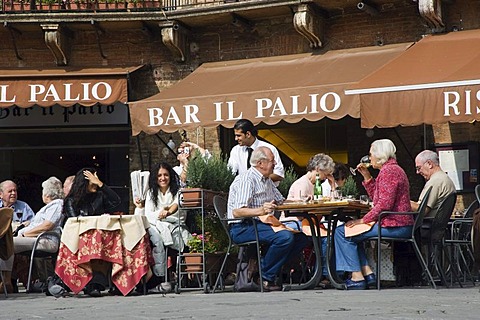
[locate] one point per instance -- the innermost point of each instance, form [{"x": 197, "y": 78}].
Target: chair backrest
[
  {"x": 441, "y": 219},
  {"x": 220, "y": 206},
  {"x": 465, "y": 228},
  {"x": 421, "y": 212},
  {"x": 477, "y": 192}
]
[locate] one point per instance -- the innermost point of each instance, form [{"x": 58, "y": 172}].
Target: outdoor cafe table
[
  {"x": 121, "y": 240},
  {"x": 311, "y": 212}
]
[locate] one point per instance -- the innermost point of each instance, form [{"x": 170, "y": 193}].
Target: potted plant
[
  {"x": 211, "y": 244},
  {"x": 206, "y": 176},
  {"x": 350, "y": 189},
  {"x": 290, "y": 177}
]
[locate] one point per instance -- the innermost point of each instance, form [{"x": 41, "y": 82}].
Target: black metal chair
[
  {"x": 37, "y": 253},
  {"x": 414, "y": 239},
  {"x": 477, "y": 192},
  {"x": 220, "y": 205},
  {"x": 436, "y": 236},
  {"x": 460, "y": 243}
]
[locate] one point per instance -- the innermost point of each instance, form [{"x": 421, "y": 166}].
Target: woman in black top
[{"x": 89, "y": 196}]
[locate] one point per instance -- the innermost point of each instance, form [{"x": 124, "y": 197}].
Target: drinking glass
[
  {"x": 365, "y": 160},
  {"x": 364, "y": 199},
  {"x": 305, "y": 197},
  {"x": 337, "y": 194}
]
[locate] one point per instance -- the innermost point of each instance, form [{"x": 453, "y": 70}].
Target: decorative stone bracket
[
  {"x": 309, "y": 23},
  {"x": 431, "y": 12},
  {"x": 175, "y": 37},
  {"x": 56, "y": 38}
]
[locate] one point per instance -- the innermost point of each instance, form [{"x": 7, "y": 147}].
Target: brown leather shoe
[{"x": 270, "y": 286}]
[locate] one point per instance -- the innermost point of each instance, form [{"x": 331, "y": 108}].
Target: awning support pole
[
  {"x": 12, "y": 35},
  {"x": 166, "y": 145},
  {"x": 139, "y": 147},
  {"x": 98, "y": 30},
  {"x": 424, "y": 136},
  {"x": 404, "y": 145}
]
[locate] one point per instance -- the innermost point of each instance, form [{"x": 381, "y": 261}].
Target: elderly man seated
[
  {"x": 254, "y": 194},
  {"x": 48, "y": 218}
]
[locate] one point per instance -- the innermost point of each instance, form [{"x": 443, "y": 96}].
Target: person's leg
[
  {"x": 279, "y": 244},
  {"x": 346, "y": 252},
  {"x": 394, "y": 232}
]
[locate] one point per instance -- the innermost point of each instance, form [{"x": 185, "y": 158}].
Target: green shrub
[
  {"x": 290, "y": 177},
  {"x": 210, "y": 173},
  {"x": 350, "y": 187}
]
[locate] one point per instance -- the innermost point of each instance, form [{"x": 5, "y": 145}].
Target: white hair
[
  {"x": 52, "y": 188},
  {"x": 383, "y": 150}
]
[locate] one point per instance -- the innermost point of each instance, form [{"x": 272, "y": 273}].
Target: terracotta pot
[
  {"x": 194, "y": 262},
  {"x": 192, "y": 197}
]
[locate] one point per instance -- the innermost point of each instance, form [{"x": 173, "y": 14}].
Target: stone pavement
[{"x": 391, "y": 303}]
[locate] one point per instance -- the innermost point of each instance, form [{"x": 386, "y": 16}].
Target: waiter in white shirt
[{"x": 246, "y": 136}]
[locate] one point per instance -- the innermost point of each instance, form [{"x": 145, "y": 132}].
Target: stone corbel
[
  {"x": 309, "y": 23},
  {"x": 175, "y": 37},
  {"x": 56, "y": 38},
  {"x": 431, "y": 12}
]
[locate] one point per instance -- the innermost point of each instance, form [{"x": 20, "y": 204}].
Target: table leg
[
  {"x": 315, "y": 279},
  {"x": 332, "y": 274}
]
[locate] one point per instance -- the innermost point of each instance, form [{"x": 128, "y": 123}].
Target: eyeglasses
[{"x": 417, "y": 168}]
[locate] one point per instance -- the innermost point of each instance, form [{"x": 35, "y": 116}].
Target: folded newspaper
[{"x": 139, "y": 184}]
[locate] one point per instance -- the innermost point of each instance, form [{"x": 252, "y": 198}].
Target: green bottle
[{"x": 317, "y": 190}]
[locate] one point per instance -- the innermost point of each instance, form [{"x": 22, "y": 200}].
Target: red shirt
[{"x": 390, "y": 191}]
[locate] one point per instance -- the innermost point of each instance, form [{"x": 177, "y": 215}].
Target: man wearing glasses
[{"x": 427, "y": 165}]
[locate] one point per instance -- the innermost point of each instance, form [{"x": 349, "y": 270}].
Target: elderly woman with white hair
[
  {"x": 48, "y": 218},
  {"x": 390, "y": 191}
]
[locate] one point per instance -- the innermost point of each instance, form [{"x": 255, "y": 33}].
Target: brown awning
[
  {"x": 290, "y": 88},
  {"x": 437, "y": 80},
  {"x": 66, "y": 87}
]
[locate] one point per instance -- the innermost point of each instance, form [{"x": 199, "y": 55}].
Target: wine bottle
[{"x": 317, "y": 190}]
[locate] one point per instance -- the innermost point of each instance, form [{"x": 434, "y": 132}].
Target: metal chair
[
  {"x": 477, "y": 192},
  {"x": 220, "y": 205},
  {"x": 414, "y": 239},
  {"x": 436, "y": 236},
  {"x": 460, "y": 242},
  {"x": 37, "y": 253}
]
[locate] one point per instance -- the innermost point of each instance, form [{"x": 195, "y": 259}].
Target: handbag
[{"x": 247, "y": 270}]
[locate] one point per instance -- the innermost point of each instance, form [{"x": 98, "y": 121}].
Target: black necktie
[{"x": 249, "y": 150}]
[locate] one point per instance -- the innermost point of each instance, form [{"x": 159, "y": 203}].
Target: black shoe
[
  {"x": 270, "y": 286},
  {"x": 92, "y": 291},
  {"x": 371, "y": 280},
  {"x": 355, "y": 285},
  {"x": 95, "y": 293},
  {"x": 38, "y": 287}
]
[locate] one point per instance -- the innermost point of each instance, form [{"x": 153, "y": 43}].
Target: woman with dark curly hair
[
  {"x": 161, "y": 209},
  {"x": 89, "y": 196}
]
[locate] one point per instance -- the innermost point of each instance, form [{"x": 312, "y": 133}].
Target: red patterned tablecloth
[{"x": 128, "y": 266}]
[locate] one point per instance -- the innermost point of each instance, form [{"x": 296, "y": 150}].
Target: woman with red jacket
[{"x": 390, "y": 191}]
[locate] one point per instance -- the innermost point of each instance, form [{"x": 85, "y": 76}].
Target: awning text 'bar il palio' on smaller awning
[{"x": 291, "y": 88}]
